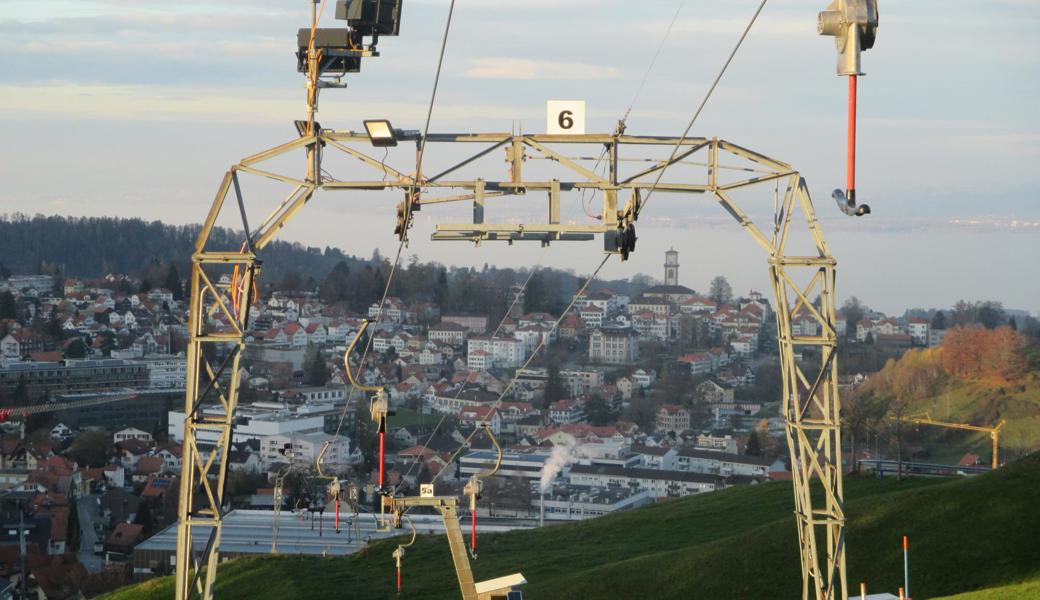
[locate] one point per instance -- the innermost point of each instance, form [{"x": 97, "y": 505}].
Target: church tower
[{"x": 671, "y": 267}]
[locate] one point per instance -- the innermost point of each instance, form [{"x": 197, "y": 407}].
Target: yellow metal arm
[
  {"x": 447, "y": 505},
  {"x": 994, "y": 432},
  {"x": 346, "y": 363}
]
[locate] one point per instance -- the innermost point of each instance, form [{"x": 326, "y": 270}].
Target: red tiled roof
[
  {"x": 147, "y": 465},
  {"x": 125, "y": 534}
]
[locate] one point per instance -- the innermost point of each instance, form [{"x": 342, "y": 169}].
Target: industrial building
[
  {"x": 252, "y": 532},
  {"x": 576, "y": 503},
  {"x": 72, "y": 376},
  {"x": 659, "y": 483}
]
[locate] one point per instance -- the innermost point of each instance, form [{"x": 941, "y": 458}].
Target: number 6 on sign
[{"x": 565, "y": 117}]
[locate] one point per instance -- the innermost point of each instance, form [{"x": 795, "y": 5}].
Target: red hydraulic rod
[
  {"x": 850, "y": 177},
  {"x": 382, "y": 450}
]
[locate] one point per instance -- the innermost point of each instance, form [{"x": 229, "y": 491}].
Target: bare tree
[{"x": 720, "y": 291}]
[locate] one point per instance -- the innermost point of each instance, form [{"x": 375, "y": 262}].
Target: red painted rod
[
  {"x": 382, "y": 450},
  {"x": 850, "y": 177},
  {"x": 337, "y": 515},
  {"x": 473, "y": 530},
  {"x": 398, "y": 579}
]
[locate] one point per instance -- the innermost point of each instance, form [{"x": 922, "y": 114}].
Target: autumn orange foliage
[{"x": 978, "y": 353}]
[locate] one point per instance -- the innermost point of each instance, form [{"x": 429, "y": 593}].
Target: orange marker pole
[{"x": 906, "y": 565}]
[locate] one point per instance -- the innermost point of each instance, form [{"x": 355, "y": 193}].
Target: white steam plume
[{"x": 561, "y": 456}]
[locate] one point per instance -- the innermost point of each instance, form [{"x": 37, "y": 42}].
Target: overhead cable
[{"x": 704, "y": 101}]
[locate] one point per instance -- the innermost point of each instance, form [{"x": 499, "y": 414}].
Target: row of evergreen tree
[{"x": 158, "y": 254}]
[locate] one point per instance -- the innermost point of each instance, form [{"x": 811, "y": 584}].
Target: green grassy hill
[{"x": 966, "y": 535}]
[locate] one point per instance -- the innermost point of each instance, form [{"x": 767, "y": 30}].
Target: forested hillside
[
  {"x": 87, "y": 247},
  {"x": 95, "y": 246}
]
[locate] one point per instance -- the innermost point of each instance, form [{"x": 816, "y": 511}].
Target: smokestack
[{"x": 541, "y": 512}]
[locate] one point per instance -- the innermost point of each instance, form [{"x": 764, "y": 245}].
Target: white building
[
  {"x": 505, "y": 352},
  {"x": 592, "y": 315},
  {"x": 479, "y": 361},
  {"x": 651, "y": 325},
  {"x": 566, "y": 503},
  {"x": 644, "y": 379},
  {"x": 717, "y": 443},
  {"x": 582, "y": 381},
  {"x": 304, "y": 447},
  {"x": 918, "y": 330},
  {"x": 448, "y": 332},
  {"x": 131, "y": 433},
  {"x": 743, "y": 346},
  {"x": 255, "y": 421},
  {"x": 315, "y": 394},
  {"x": 658, "y": 483},
  {"x": 61, "y": 431},
  {"x": 166, "y": 370},
  {"x": 515, "y": 463},
  {"x": 723, "y": 463},
  {"x": 655, "y": 457},
  {"x": 534, "y": 334}
]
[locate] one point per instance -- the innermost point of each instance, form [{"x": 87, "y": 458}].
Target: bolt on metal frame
[{"x": 224, "y": 282}]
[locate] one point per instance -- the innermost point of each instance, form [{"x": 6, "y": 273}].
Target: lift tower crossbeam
[{"x": 811, "y": 406}]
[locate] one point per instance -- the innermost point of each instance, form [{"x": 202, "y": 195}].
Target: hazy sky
[{"x": 136, "y": 108}]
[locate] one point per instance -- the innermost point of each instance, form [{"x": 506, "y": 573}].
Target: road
[{"x": 87, "y": 507}]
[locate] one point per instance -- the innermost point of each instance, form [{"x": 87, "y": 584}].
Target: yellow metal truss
[{"x": 223, "y": 284}]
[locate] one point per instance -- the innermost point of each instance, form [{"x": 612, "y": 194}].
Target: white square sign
[{"x": 565, "y": 117}]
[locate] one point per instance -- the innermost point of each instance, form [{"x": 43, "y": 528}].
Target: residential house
[
  {"x": 567, "y": 411},
  {"x": 132, "y": 433},
  {"x": 473, "y": 416},
  {"x": 699, "y": 363},
  {"x": 672, "y": 418},
  {"x": 918, "y": 330},
  {"x": 644, "y": 379},
  {"x": 710, "y": 391}
]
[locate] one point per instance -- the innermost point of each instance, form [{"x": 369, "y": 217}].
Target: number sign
[{"x": 565, "y": 117}]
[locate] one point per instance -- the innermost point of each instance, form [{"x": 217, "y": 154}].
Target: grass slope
[
  {"x": 969, "y": 534},
  {"x": 1016, "y": 591},
  {"x": 965, "y": 535}
]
